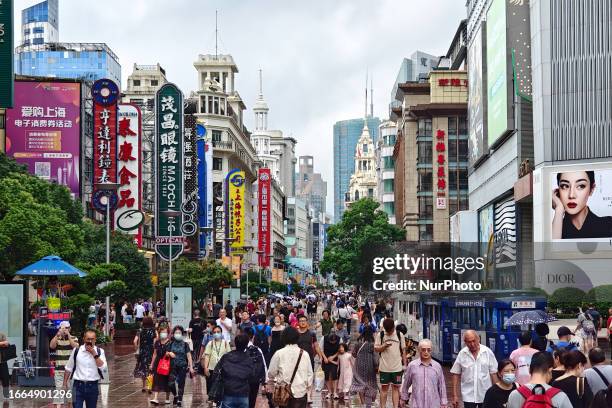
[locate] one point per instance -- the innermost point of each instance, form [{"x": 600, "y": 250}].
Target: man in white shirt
[
  {"x": 226, "y": 325},
  {"x": 476, "y": 368},
  {"x": 139, "y": 311},
  {"x": 284, "y": 363},
  {"x": 85, "y": 366}
]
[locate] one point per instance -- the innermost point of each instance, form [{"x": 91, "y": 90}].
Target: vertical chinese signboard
[
  {"x": 189, "y": 228},
  {"x": 205, "y": 190},
  {"x": 265, "y": 215},
  {"x": 6, "y": 54},
  {"x": 235, "y": 211},
  {"x": 168, "y": 170},
  {"x": 129, "y": 159},
  {"x": 43, "y": 131},
  {"x": 441, "y": 169},
  {"x": 105, "y": 95}
]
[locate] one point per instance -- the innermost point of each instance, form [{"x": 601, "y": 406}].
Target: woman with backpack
[
  {"x": 364, "y": 373},
  {"x": 573, "y": 383},
  {"x": 214, "y": 350},
  {"x": 497, "y": 395},
  {"x": 587, "y": 330}
]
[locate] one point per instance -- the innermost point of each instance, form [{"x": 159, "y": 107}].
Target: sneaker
[
  {"x": 154, "y": 402},
  {"x": 167, "y": 402}
]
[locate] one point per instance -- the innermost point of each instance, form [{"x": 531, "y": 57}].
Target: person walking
[
  {"x": 426, "y": 378},
  {"x": 161, "y": 348},
  {"x": 475, "y": 368},
  {"x": 541, "y": 373},
  {"x": 330, "y": 345},
  {"x": 587, "y": 330},
  {"x": 565, "y": 340},
  {"x": 181, "y": 364},
  {"x": 260, "y": 368},
  {"x": 139, "y": 311},
  {"x": 143, "y": 344},
  {"x": 236, "y": 370},
  {"x": 497, "y": 396},
  {"x": 196, "y": 330},
  {"x": 364, "y": 372},
  {"x": 61, "y": 346},
  {"x": 307, "y": 341},
  {"x": 245, "y": 322},
  {"x": 213, "y": 352},
  {"x": 345, "y": 371},
  {"x": 341, "y": 332},
  {"x": 390, "y": 344},
  {"x": 85, "y": 367},
  {"x": 521, "y": 357},
  {"x": 262, "y": 337},
  {"x": 277, "y": 330},
  {"x": 597, "y": 320},
  {"x": 599, "y": 376},
  {"x": 4, "y": 371},
  {"x": 573, "y": 383},
  {"x": 326, "y": 323},
  {"x": 291, "y": 365},
  {"x": 226, "y": 325}
]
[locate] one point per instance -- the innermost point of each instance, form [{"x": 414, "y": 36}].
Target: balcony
[{"x": 223, "y": 145}]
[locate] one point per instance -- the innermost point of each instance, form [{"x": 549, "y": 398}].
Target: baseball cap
[
  {"x": 564, "y": 331},
  {"x": 64, "y": 324}
]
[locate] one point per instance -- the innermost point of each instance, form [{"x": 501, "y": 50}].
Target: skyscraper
[
  {"x": 310, "y": 186},
  {"x": 41, "y": 54}
]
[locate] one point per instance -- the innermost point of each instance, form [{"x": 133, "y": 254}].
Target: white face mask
[
  {"x": 163, "y": 335},
  {"x": 178, "y": 336}
]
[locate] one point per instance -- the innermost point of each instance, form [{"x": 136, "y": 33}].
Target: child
[{"x": 345, "y": 377}]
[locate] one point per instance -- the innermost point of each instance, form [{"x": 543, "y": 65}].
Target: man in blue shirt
[{"x": 565, "y": 335}]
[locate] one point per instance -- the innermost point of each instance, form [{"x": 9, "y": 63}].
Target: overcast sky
[{"x": 314, "y": 53}]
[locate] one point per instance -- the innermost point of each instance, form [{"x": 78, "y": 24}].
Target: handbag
[
  {"x": 282, "y": 392},
  {"x": 149, "y": 382},
  {"x": 163, "y": 367},
  {"x": 8, "y": 353}
]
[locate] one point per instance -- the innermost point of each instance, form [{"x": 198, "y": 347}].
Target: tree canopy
[{"x": 363, "y": 227}]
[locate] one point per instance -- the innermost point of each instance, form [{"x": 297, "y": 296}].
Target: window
[
  {"x": 305, "y": 177},
  {"x": 424, "y": 127},
  {"x": 217, "y": 163},
  {"x": 365, "y": 147},
  {"x": 136, "y": 82},
  {"x": 26, "y": 31},
  {"x": 388, "y": 186},
  {"x": 426, "y": 232},
  {"x": 389, "y": 207},
  {"x": 357, "y": 195},
  {"x": 424, "y": 62},
  {"x": 425, "y": 152},
  {"x": 425, "y": 180},
  {"x": 426, "y": 207},
  {"x": 154, "y": 82},
  {"x": 452, "y": 126},
  {"x": 463, "y": 126},
  {"x": 38, "y": 40},
  {"x": 216, "y": 135},
  {"x": 370, "y": 192}
]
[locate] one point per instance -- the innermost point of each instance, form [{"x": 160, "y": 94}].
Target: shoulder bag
[{"x": 282, "y": 392}]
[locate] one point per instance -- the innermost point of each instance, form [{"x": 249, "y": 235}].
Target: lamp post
[
  {"x": 259, "y": 257},
  {"x": 109, "y": 188},
  {"x": 249, "y": 249},
  {"x": 171, "y": 215}
]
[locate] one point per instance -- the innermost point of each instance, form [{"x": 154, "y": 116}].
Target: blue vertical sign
[{"x": 202, "y": 190}]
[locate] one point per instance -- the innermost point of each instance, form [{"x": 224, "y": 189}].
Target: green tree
[
  {"x": 37, "y": 218},
  {"x": 204, "y": 277},
  {"x": 567, "y": 299},
  {"x": 363, "y": 227}
]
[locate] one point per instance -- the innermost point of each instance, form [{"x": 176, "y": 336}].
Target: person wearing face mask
[
  {"x": 497, "y": 395},
  {"x": 573, "y": 382},
  {"x": 537, "y": 387},
  {"x": 181, "y": 364},
  {"x": 160, "y": 348},
  {"x": 277, "y": 330},
  {"x": 213, "y": 352}
]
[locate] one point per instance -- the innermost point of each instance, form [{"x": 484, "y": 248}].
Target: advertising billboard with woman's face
[{"x": 581, "y": 204}]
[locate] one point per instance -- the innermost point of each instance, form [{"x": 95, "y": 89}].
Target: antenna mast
[
  {"x": 371, "y": 96},
  {"x": 366, "y": 94},
  {"x": 216, "y": 36}
]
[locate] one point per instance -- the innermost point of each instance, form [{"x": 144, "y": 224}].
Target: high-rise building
[
  {"x": 221, "y": 109},
  {"x": 41, "y": 54},
  {"x": 310, "y": 186},
  {"x": 346, "y": 135},
  {"x": 298, "y": 234},
  {"x": 385, "y": 168},
  {"x": 274, "y": 150},
  {"x": 142, "y": 85},
  {"x": 412, "y": 69},
  {"x": 363, "y": 182}
]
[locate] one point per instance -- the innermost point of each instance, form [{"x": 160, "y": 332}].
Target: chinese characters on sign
[
  {"x": 205, "y": 192},
  {"x": 189, "y": 228},
  {"x": 454, "y": 82},
  {"x": 441, "y": 168},
  {"x": 168, "y": 170},
  {"x": 128, "y": 164},
  {"x": 265, "y": 214},
  {"x": 235, "y": 210}
]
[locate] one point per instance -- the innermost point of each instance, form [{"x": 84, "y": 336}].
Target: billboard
[
  {"x": 581, "y": 206},
  {"x": 129, "y": 161},
  {"x": 235, "y": 210},
  {"x": 43, "y": 131},
  {"x": 6, "y": 54},
  {"x": 498, "y": 81},
  {"x": 205, "y": 194},
  {"x": 477, "y": 144},
  {"x": 265, "y": 215},
  {"x": 168, "y": 158},
  {"x": 181, "y": 305},
  {"x": 189, "y": 228},
  {"x": 486, "y": 220}
]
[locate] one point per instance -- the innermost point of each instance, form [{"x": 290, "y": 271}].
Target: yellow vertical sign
[{"x": 237, "y": 211}]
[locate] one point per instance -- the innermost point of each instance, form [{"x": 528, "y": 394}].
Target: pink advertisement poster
[{"x": 43, "y": 131}]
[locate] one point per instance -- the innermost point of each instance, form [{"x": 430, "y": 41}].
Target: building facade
[
  {"x": 298, "y": 232},
  {"x": 363, "y": 182},
  {"x": 310, "y": 186},
  {"x": 220, "y": 109},
  {"x": 346, "y": 135},
  {"x": 385, "y": 168},
  {"x": 412, "y": 69},
  {"x": 40, "y": 23},
  {"x": 433, "y": 166}
]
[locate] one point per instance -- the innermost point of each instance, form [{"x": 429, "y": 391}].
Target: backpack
[
  {"x": 534, "y": 399},
  {"x": 258, "y": 375},
  {"x": 261, "y": 339},
  {"x": 399, "y": 337},
  {"x": 588, "y": 326},
  {"x": 76, "y": 351}
]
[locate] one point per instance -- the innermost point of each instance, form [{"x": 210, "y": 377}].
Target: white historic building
[{"x": 364, "y": 182}]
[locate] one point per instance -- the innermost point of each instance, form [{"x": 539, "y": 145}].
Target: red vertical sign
[{"x": 265, "y": 214}]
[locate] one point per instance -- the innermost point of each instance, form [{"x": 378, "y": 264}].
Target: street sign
[{"x": 168, "y": 169}]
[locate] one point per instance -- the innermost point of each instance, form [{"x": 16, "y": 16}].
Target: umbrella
[
  {"x": 529, "y": 317},
  {"x": 51, "y": 265}
]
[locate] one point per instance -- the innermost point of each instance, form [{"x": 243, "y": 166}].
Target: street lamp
[
  {"x": 259, "y": 257},
  {"x": 171, "y": 214},
  {"x": 109, "y": 188},
  {"x": 249, "y": 249}
]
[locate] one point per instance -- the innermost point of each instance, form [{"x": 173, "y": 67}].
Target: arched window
[{"x": 356, "y": 195}]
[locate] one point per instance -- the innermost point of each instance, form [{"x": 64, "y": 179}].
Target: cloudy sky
[{"x": 314, "y": 54}]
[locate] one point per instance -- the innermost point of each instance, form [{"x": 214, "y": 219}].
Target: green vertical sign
[
  {"x": 6, "y": 54},
  {"x": 168, "y": 171}
]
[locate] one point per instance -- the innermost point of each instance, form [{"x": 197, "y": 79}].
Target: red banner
[{"x": 265, "y": 214}]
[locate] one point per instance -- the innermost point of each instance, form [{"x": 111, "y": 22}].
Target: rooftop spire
[
  {"x": 366, "y": 94},
  {"x": 260, "y": 85},
  {"x": 371, "y": 97},
  {"x": 216, "y": 36}
]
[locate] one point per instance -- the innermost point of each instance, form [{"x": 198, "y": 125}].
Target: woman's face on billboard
[{"x": 574, "y": 191}]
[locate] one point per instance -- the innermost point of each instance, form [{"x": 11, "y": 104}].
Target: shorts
[
  {"x": 331, "y": 371},
  {"x": 391, "y": 378}
]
